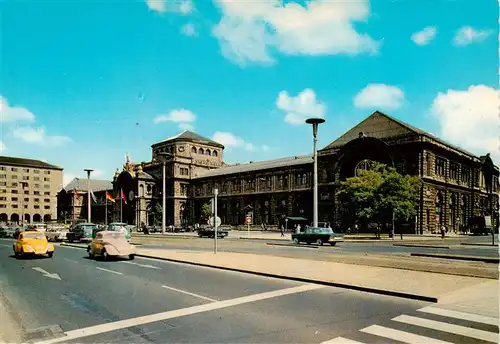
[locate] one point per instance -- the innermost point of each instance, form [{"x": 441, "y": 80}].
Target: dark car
[
  {"x": 83, "y": 232},
  {"x": 318, "y": 235},
  {"x": 210, "y": 232}
]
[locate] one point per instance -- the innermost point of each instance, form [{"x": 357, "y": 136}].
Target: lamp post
[
  {"x": 23, "y": 185},
  {"x": 315, "y": 122},
  {"x": 164, "y": 192},
  {"x": 89, "y": 217}
]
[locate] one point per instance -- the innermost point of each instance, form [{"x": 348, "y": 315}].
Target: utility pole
[
  {"x": 315, "y": 122},
  {"x": 89, "y": 216}
]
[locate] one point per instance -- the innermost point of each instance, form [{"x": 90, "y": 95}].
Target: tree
[
  {"x": 376, "y": 193},
  {"x": 206, "y": 211},
  {"x": 156, "y": 210}
]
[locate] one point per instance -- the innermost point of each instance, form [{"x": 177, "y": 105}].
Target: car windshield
[
  {"x": 33, "y": 236},
  {"x": 113, "y": 235},
  {"x": 321, "y": 230}
]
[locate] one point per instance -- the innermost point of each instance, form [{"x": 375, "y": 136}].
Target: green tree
[
  {"x": 206, "y": 211},
  {"x": 372, "y": 196},
  {"x": 156, "y": 210}
]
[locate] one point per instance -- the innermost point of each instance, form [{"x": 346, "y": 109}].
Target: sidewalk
[{"x": 418, "y": 285}]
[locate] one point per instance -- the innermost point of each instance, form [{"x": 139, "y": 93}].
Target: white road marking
[
  {"x": 47, "y": 274},
  {"x": 450, "y": 328},
  {"x": 121, "y": 324},
  {"x": 143, "y": 265},
  {"x": 188, "y": 293},
  {"x": 402, "y": 336},
  {"x": 460, "y": 315},
  {"x": 341, "y": 340},
  {"x": 113, "y": 272}
]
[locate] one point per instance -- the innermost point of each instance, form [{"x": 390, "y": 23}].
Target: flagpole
[
  {"x": 121, "y": 205},
  {"x": 106, "y": 208}
]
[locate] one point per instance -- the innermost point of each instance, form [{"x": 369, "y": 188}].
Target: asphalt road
[{"x": 152, "y": 301}]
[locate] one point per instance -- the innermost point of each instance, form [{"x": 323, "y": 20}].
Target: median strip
[
  {"x": 422, "y": 245},
  {"x": 291, "y": 245},
  {"x": 494, "y": 260}
]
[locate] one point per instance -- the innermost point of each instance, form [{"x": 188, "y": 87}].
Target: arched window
[
  {"x": 141, "y": 190},
  {"x": 200, "y": 151},
  {"x": 193, "y": 149},
  {"x": 214, "y": 153},
  {"x": 304, "y": 179},
  {"x": 207, "y": 152}
]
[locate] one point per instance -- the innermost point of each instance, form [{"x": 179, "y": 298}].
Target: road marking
[
  {"x": 341, "y": 340},
  {"x": 71, "y": 260},
  {"x": 143, "y": 265},
  {"x": 188, "y": 293},
  {"x": 47, "y": 274},
  {"x": 460, "y": 315},
  {"x": 401, "y": 336},
  {"x": 113, "y": 272},
  {"x": 450, "y": 328},
  {"x": 142, "y": 320}
]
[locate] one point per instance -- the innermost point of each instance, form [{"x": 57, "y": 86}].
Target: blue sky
[{"x": 84, "y": 82}]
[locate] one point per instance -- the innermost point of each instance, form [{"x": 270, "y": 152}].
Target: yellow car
[{"x": 33, "y": 243}]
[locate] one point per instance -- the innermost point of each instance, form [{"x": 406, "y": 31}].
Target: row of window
[
  {"x": 26, "y": 192},
  {"x": 25, "y": 170},
  {"x": 184, "y": 171},
  {"x": 462, "y": 174},
  {"x": 15, "y": 206},
  {"x": 202, "y": 151},
  {"x": 16, "y": 185},
  {"x": 26, "y": 199},
  {"x": 14, "y": 176}
]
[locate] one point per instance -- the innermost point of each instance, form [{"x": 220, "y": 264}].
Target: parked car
[
  {"x": 120, "y": 227},
  {"x": 318, "y": 235},
  {"x": 108, "y": 244},
  {"x": 83, "y": 232},
  {"x": 56, "y": 233},
  {"x": 210, "y": 232},
  {"x": 33, "y": 243}
]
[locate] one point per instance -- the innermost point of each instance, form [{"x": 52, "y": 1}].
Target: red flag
[{"x": 123, "y": 196}]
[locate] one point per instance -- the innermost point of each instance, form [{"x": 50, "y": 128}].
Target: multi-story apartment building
[
  {"x": 458, "y": 186},
  {"x": 28, "y": 188}
]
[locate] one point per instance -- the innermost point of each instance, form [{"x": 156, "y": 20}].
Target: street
[{"x": 153, "y": 301}]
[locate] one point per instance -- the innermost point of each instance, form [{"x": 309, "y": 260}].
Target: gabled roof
[
  {"x": 81, "y": 184},
  {"x": 381, "y": 125},
  {"x": 22, "y": 162},
  {"x": 257, "y": 166},
  {"x": 190, "y": 136}
]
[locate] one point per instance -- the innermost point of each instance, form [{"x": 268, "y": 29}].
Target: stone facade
[{"x": 457, "y": 185}]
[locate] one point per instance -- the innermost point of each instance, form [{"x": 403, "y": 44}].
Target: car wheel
[
  {"x": 131, "y": 257},
  {"x": 104, "y": 255},
  {"x": 50, "y": 254},
  {"x": 89, "y": 251},
  {"x": 319, "y": 242},
  {"x": 296, "y": 241}
]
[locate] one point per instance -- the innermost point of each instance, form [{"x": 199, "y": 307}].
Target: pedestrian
[
  {"x": 145, "y": 229},
  {"x": 282, "y": 229},
  {"x": 443, "y": 231},
  {"x": 298, "y": 228}
]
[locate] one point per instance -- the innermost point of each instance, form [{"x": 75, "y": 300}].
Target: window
[
  {"x": 207, "y": 152},
  {"x": 440, "y": 163},
  {"x": 193, "y": 149},
  {"x": 184, "y": 171},
  {"x": 37, "y": 200},
  {"x": 26, "y": 192},
  {"x": 200, "y": 151},
  {"x": 236, "y": 185},
  {"x": 46, "y": 207},
  {"x": 214, "y": 153},
  {"x": 37, "y": 185},
  {"x": 46, "y": 172},
  {"x": 3, "y": 176},
  {"x": 14, "y": 176},
  {"x": 2, "y": 168},
  {"x": 46, "y": 186},
  {"x": 36, "y": 193},
  {"x": 46, "y": 179},
  {"x": 13, "y": 191},
  {"x": 184, "y": 189},
  {"x": 14, "y": 206},
  {"x": 26, "y": 170},
  {"x": 14, "y": 169},
  {"x": 46, "y": 193},
  {"x": 36, "y": 171},
  {"x": 36, "y": 178},
  {"x": 14, "y": 185},
  {"x": 26, "y": 199},
  {"x": 46, "y": 200},
  {"x": 3, "y": 198},
  {"x": 3, "y": 206},
  {"x": 3, "y": 184},
  {"x": 428, "y": 163},
  {"x": 453, "y": 170},
  {"x": 36, "y": 206},
  {"x": 14, "y": 199},
  {"x": 26, "y": 177}
]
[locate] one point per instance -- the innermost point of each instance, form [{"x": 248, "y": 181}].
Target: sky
[{"x": 83, "y": 83}]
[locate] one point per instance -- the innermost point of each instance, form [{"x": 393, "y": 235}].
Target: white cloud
[
  {"x": 13, "y": 113},
  {"x": 265, "y": 148},
  {"x": 424, "y": 36},
  {"x": 300, "y": 107},
  {"x": 177, "y": 116},
  {"x": 186, "y": 126},
  {"x": 469, "y": 118},
  {"x": 250, "y": 31},
  {"x": 38, "y": 136},
  {"x": 189, "y": 30},
  {"x": 467, "y": 35},
  {"x": 230, "y": 140},
  {"x": 162, "y": 6},
  {"x": 380, "y": 96},
  {"x": 3, "y": 148}
]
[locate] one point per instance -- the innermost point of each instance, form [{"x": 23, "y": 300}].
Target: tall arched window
[
  {"x": 207, "y": 152},
  {"x": 439, "y": 210},
  {"x": 214, "y": 153},
  {"x": 193, "y": 149},
  {"x": 200, "y": 151},
  {"x": 304, "y": 179}
]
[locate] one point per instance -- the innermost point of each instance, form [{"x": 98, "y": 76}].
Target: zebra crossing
[{"x": 431, "y": 325}]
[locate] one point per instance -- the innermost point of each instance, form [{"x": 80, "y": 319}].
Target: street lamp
[
  {"x": 23, "y": 185},
  {"x": 164, "y": 192},
  {"x": 315, "y": 122},
  {"x": 89, "y": 217}
]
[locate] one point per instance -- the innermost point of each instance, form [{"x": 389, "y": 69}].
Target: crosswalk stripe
[
  {"x": 460, "y": 315},
  {"x": 401, "y": 336},
  {"x": 341, "y": 340},
  {"x": 450, "y": 328}
]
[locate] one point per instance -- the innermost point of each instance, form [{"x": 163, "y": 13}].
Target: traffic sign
[{"x": 217, "y": 221}]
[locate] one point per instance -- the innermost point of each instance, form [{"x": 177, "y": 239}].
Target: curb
[
  {"x": 421, "y": 245},
  {"x": 292, "y": 245},
  {"x": 457, "y": 257},
  {"x": 306, "y": 280},
  {"x": 263, "y": 239},
  {"x": 478, "y": 244}
]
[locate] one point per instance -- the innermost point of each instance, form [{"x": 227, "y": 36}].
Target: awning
[{"x": 296, "y": 218}]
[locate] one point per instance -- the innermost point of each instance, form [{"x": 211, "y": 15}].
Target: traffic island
[
  {"x": 291, "y": 245},
  {"x": 493, "y": 260},
  {"x": 422, "y": 245}
]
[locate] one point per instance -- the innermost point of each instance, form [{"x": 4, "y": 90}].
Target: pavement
[{"x": 72, "y": 299}]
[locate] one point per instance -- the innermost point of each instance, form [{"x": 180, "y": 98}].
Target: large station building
[{"x": 457, "y": 185}]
